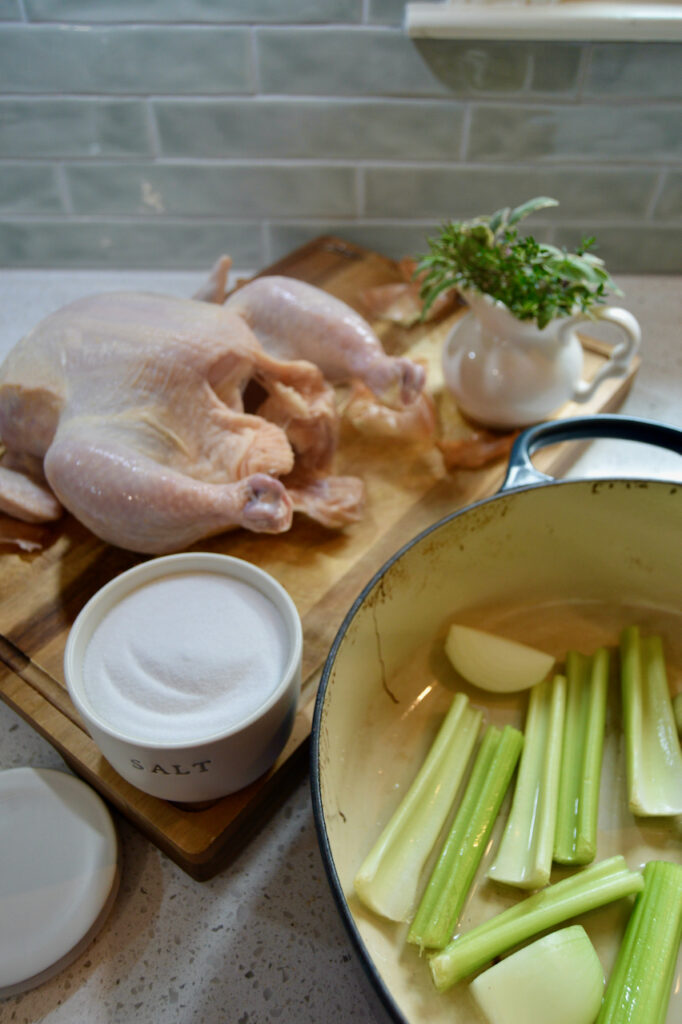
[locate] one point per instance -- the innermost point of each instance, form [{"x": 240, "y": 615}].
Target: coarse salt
[{"x": 185, "y": 657}]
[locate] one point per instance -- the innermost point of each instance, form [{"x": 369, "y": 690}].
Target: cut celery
[
  {"x": 587, "y": 680},
  {"x": 388, "y": 879},
  {"x": 652, "y": 745},
  {"x": 560, "y": 970},
  {"x": 589, "y": 888},
  {"x": 638, "y": 991},
  {"x": 524, "y": 857},
  {"x": 440, "y": 906}
]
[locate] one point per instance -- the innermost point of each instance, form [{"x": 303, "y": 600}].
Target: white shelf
[{"x": 570, "y": 20}]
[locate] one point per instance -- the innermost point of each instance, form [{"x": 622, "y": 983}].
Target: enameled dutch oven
[{"x": 557, "y": 564}]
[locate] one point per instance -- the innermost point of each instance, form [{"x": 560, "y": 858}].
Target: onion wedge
[
  {"x": 495, "y": 663},
  {"x": 561, "y": 971}
]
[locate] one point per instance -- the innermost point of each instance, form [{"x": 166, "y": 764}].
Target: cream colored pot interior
[{"x": 565, "y": 566}]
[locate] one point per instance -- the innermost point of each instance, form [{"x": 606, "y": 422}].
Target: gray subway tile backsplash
[
  {"x": 69, "y": 127},
  {"x": 133, "y": 244},
  {"x": 29, "y": 188},
  {"x": 669, "y": 203},
  {"x": 135, "y": 59},
  {"x": 386, "y": 62},
  {"x": 556, "y": 69},
  {"x": 310, "y": 129},
  {"x": 632, "y": 70},
  {"x": 201, "y": 190},
  {"x": 143, "y": 134},
  {"x": 10, "y": 10},
  {"x": 550, "y": 134},
  {"x": 343, "y": 62},
  {"x": 386, "y": 12},
  {"x": 625, "y": 252},
  {"x": 394, "y": 240},
  {"x": 183, "y": 11},
  {"x": 447, "y": 193},
  {"x": 471, "y": 68}
]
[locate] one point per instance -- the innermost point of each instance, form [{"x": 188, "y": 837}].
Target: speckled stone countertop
[{"x": 262, "y": 941}]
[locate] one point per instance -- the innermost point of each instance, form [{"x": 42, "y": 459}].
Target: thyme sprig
[{"x": 534, "y": 280}]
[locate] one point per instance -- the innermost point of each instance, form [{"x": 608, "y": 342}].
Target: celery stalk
[
  {"x": 589, "y": 888},
  {"x": 524, "y": 857},
  {"x": 652, "y": 745},
  {"x": 587, "y": 680},
  {"x": 388, "y": 879},
  {"x": 440, "y": 906},
  {"x": 638, "y": 991}
]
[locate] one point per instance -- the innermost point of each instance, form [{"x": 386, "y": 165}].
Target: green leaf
[
  {"x": 574, "y": 269},
  {"x": 584, "y": 269},
  {"x": 430, "y": 295},
  {"x": 590, "y": 257},
  {"x": 531, "y": 206},
  {"x": 551, "y": 250},
  {"x": 500, "y": 219}
]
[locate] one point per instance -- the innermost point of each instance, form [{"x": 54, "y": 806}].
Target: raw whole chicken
[{"x": 159, "y": 421}]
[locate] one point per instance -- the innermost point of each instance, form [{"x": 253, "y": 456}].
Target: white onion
[
  {"x": 557, "y": 978},
  {"x": 493, "y": 662}
]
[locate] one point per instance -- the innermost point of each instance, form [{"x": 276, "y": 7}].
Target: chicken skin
[{"x": 160, "y": 421}]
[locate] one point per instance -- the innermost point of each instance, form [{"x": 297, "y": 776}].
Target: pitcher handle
[
  {"x": 522, "y": 472},
  {"x": 622, "y": 355}
]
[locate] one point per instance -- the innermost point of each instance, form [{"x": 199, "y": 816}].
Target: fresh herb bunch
[{"x": 535, "y": 281}]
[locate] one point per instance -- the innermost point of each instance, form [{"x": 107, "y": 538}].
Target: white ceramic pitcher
[{"x": 505, "y": 372}]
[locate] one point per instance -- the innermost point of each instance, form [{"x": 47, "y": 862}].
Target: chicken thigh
[{"x": 160, "y": 421}]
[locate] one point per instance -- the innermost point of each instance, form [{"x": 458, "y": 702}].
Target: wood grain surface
[{"x": 408, "y": 488}]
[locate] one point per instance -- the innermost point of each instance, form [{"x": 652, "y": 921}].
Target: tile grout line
[
  {"x": 584, "y": 70},
  {"x": 266, "y": 243},
  {"x": 659, "y": 185},
  {"x": 596, "y": 163},
  {"x": 466, "y": 134},
  {"x": 254, "y": 52},
  {"x": 490, "y": 98},
  {"x": 201, "y": 220},
  {"x": 152, "y": 130},
  {"x": 63, "y": 188},
  {"x": 360, "y": 191},
  {"x": 526, "y": 87}
]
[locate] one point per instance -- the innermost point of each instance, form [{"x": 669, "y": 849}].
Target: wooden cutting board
[{"x": 408, "y": 488}]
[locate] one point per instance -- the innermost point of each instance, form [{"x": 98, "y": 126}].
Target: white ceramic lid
[{"x": 58, "y": 873}]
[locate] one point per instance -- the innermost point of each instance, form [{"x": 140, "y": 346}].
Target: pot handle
[{"x": 521, "y": 471}]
